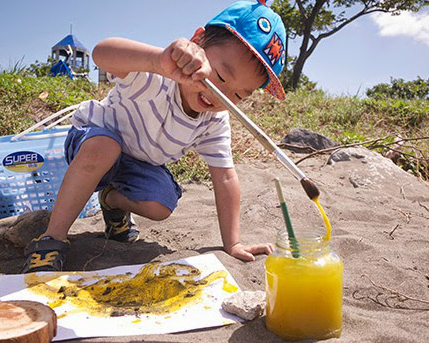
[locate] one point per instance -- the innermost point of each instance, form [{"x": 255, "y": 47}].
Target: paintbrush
[{"x": 308, "y": 185}]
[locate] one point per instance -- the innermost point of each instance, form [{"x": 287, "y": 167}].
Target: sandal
[
  {"x": 45, "y": 254},
  {"x": 118, "y": 223}
]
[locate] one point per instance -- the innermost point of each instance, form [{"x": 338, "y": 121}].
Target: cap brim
[{"x": 274, "y": 86}]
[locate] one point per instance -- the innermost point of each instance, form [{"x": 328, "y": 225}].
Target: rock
[
  {"x": 302, "y": 139},
  {"x": 247, "y": 305},
  {"x": 339, "y": 156},
  {"x": 20, "y": 230},
  {"x": 377, "y": 168},
  {"x": 358, "y": 180},
  {"x": 347, "y": 154}
]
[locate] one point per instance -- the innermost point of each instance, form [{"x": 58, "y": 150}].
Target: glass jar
[{"x": 304, "y": 287}]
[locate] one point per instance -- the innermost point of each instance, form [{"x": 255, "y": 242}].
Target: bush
[
  {"x": 405, "y": 114},
  {"x": 24, "y": 99},
  {"x": 39, "y": 69},
  {"x": 400, "y": 89}
]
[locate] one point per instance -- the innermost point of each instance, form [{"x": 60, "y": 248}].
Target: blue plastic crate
[{"x": 31, "y": 171}]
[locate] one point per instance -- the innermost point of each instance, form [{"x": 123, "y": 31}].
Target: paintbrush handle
[
  {"x": 256, "y": 131},
  {"x": 289, "y": 228}
]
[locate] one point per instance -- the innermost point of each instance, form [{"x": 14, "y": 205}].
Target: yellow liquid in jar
[{"x": 304, "y": 297}]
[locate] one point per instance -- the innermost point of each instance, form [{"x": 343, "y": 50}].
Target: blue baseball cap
[{"x": 263, "y": 32}]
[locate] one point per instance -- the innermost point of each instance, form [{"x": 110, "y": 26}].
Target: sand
[{"x": 380, "y": 219}]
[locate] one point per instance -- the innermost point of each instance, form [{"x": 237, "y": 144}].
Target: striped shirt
[{"x": 146, "y": 111}]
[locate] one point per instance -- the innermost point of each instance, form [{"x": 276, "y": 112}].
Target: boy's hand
[
  {"x": 246, "y": 253},
  {"x": 185, "y": 62}
]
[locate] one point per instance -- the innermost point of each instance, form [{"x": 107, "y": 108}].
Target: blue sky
[{"x": 368, "y": 51}]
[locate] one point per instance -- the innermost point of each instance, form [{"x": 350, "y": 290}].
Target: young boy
[{"x": 157, "y": 111}]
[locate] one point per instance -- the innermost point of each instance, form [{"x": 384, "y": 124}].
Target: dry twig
[
  {"x": 402, "y": 191},
  {"x": 323, "y": 151},
  {"x": 371, "y": 145},
  {"x": 407, "y": 215},
  {"x": 96, "y": 256},
  {"x": 391, "y": 232},
  {"x": 424, "y": 206},
  {"x": 305, "y": 148},
  {"x": 391, "y": 298}
]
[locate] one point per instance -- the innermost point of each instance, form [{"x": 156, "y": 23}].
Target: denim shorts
[{"x": 135, "y": 179}]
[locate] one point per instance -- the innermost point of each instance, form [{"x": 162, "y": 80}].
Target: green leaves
[
  {"x": 314, "y": 20},
  {"x": 25, "y": 99},
  {"x": 400, "y": 89}
]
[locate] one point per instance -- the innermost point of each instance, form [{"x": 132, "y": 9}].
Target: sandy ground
[{"x": 380, "y": 219}]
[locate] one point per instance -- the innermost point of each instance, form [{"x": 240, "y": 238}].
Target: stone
[
  {"x": 302, "y": 139},
  {"x": 358, "y": 180},
  {"x": 346, "y": 154},
  {"x": 247, "y": 305},
  {"x": 20, "y": 230},
  {"x": 366, "y": 168}
]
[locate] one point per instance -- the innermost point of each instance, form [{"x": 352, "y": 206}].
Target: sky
[{"x": 368, "y": 51}]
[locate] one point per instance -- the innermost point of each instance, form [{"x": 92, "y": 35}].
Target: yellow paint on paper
[{"x": 155, "y": 289}]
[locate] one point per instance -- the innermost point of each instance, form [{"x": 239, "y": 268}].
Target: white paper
[{"x": 205, "y": 313}]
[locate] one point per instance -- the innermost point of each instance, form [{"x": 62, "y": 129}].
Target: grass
[
  {"x": 348, "y": 120},
  {"x": 24, "y": 100},
  {"x": 343, "y": 119}
]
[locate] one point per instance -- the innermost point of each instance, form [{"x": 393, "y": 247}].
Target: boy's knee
[
  {"x": 99, "y": 147},
  {"x": 154, "y": 210},
  {"x": 159, "y": 216},
  {"x": 98, "y": 151}
]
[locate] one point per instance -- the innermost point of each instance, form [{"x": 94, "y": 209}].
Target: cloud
[{"x": 408, "y": 24}]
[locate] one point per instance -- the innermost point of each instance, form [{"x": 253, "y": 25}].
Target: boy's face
[{"x": 235, "y": 73}]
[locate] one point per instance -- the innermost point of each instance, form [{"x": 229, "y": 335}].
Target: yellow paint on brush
[
  {"x": 325, "y": 219},
  {"x": 156, "y": 289}
]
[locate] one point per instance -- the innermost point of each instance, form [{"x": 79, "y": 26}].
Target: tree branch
[
  {"x": 316, "y": 40},
  {"x": 371, "y": 142},
  {"x": 348, "y": 21},
  {"x": 308, "y": 26},
  {"x": 302, "y": 10}
]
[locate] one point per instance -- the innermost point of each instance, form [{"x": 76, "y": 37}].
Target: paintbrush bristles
[{"x": 310, "y": 188}]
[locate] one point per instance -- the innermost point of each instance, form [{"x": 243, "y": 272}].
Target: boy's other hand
[
  {"x": 185, "y": 62},
  {"x": 247, "y": 253}
]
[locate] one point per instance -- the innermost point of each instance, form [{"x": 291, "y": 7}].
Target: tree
[
  {"x": 39, "y": 69},
  {"x": 314, "y": 20},
  {"x": 399, "y": 89}
]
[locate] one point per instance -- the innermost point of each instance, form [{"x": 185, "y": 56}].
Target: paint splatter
[{"x": 155, "y": 289}]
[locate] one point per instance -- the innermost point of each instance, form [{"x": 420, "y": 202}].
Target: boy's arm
[
  {"x": 227, "y": 196},
  {"x": 183, "y": 61}
]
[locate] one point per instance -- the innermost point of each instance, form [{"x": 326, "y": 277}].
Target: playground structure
[{"x": 72, "y": 58}]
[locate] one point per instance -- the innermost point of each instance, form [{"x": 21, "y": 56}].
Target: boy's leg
[
  {"x": 119, "y": 224},
  {"x": 141, "y": 188},
  {"x": 117, "y": 209},
  {"x": 150, "y": 209},
  {"x": 94, "y": 158}
]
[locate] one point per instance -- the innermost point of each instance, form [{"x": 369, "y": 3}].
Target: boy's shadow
[{"x": 89, "y": 251}]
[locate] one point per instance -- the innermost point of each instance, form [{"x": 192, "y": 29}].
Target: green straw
[{"x": 292, "y": 238}]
